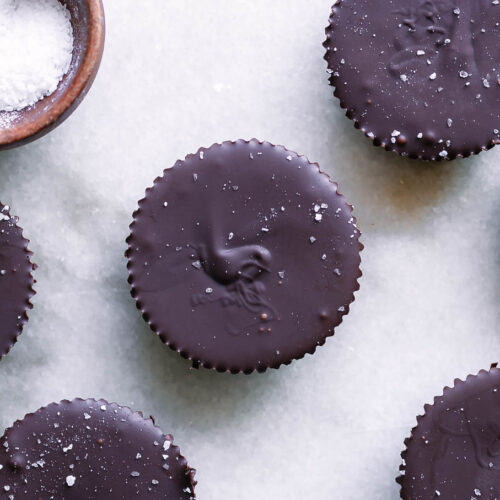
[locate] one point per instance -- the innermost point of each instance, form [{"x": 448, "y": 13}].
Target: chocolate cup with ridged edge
[
  {"x": 419, "y": 80},
  {"x": 16, "y": 280},
  {"x": 92, "y": 449},
  {"x": 243, "y": 257},
  {"x": 454, "y": 451}
]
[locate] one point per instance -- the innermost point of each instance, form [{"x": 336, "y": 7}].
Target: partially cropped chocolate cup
[
  {"x": 243, "y": 256},
  {"x": 16, "y": 280},
  {"x": 88, "y": 449},
  {"x": 454, "y": 451},
  {"x": 420, "y": 78}
]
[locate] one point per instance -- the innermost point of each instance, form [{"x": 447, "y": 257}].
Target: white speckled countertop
[{"x": 178, "y": 75}]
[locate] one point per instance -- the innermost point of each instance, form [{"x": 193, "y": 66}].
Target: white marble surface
[{"x": 181, "y": 74}]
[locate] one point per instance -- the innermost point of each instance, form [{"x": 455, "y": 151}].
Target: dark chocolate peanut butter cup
[
  {"x": 454, "y": 451},
  {"x": 88, "y": 449},
  {"x": 16, "y": 280},
  {"x": 243, "y": 256},
  {"x": 419, "y": 77}
]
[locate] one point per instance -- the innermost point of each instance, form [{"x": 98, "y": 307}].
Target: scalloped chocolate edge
[
  {"x": 30, "y": 292},
  {"x": 350, "y": 112},
  {"x": 190, "y": 472},
  {"x": 456, "y": 383},
  {"x": 196, "y": 363}
]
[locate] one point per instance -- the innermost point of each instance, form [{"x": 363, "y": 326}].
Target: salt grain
[{"x": 70, "y": 480}]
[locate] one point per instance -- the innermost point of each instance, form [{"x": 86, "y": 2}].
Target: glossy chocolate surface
[
  {"x": 420, "y": 77},
  {"x": 454, "y": 452},
  {"x": 15, "y": 280},
  {"x": 243, "y": 257},
  {"x": 87, "y": 449}
]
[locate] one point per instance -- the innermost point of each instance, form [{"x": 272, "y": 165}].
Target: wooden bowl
[{"x": 20, "y": 127}]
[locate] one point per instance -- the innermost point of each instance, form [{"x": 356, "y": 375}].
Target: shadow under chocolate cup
[
  {"x": 243, "y": 257},
  {"x": 420, "y": 79},
  {"x": 21, "y": 127},
  {"x": 454, "y": 451},
  {"x": 16, "y": 280},
  {"x": 91, "y": 449}
]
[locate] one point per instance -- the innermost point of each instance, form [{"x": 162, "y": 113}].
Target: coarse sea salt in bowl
[{"x": 39, "y": 100}]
